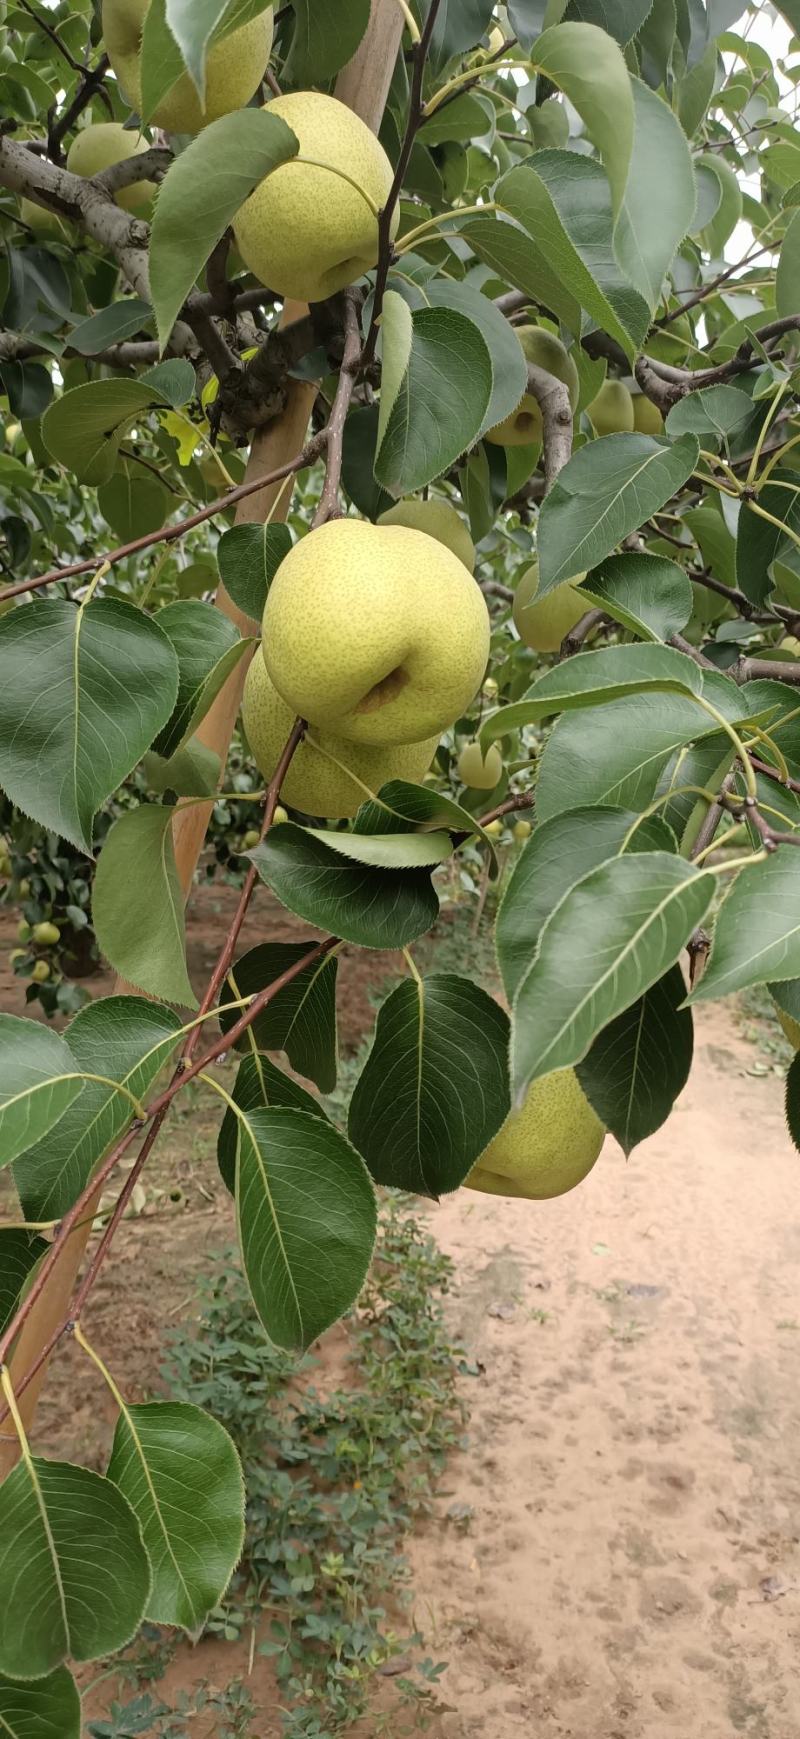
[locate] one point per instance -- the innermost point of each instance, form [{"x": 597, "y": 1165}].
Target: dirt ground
[{"x": 618, "y": 1554}]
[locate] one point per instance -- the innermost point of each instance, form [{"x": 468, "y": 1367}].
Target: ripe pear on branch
[
  {"x": 544, "y": 625},
  {"x": 327, "y": 776},
  {"x": 311, "y": 227},
  {"x": 98, "y": 147},
  {"x": 439, "y": 519},
  {"x": 376, "y": 633},
  {"x": 235, "y": 66},
  {"x": 611, "y": 411},
  {"x": 524, "y": 426},
  {"x": 545, "y": 1147}
]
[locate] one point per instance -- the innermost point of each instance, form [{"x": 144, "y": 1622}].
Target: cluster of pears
[{"x": 377, "y": 636}]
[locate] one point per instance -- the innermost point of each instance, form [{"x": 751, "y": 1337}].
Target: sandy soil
[{"x": 618, "y": 1553}]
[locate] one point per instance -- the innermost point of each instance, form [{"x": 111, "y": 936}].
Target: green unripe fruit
[
  {"x": 235, "y": 67},
  {"x": 490, "y": 686},
  {"x": 24, "y": 888},
  {"x": 543, "y": 626},
  {"x": 439, "y": 519},
  {"x": 42, "y": 222},
  {"x": 611, "y": 412},
  {"x": 18, "y": 954},
  {"x": 280, "y": 815},
  {"x": 546, "y": 350},
  {"x": 40, "y": 972},
  {"x": 24, "y": 931},
  {"x": 493, "y": 829},
  {"x": 521, "y": 831},
  {"x": 671, "y": 343},
  {"x": 251, "y": 838},
  {"x": 546, "y": 1147},
  {"x": 480, "y": 772},
  {"x": 102, "y": 144},
  {"x": 647, "y": 418},
  {"x": 5, "y": 866},
  {"x": 46, "y": 934}
]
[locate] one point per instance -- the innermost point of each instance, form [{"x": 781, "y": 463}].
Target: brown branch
[
  {"x": 772, "y": 669},
  {"x": 91, "y": 85},
  {"x": 772, "y": 773},
  {"x": 53, "y": 35},
  {"x": 141, "y": 167},
  {"x": 329, "y": 507},
  {"x": 574, "y": 640},
  {"x": 552, "y": 397},
  {"x": 169, "y": 533},
  {"x": 414, "y": 119},
  {"x": 521, "y": 800},
  {"x": 699, "y": 296},
  {"x": 496, "y": 589},
  {"x": 685, "y": 646},
  {"x": 712, "y": 818}
]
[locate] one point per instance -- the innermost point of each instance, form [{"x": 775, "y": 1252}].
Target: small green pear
[
  {"x": 546, "y": 350},
  {"x": 24, "y": 931},
  {"x": 439, "y": 519},
  {"x": 611, "y": 412},
  {"x": 40, "y": 972},
  {"x": 41, "y": 221},
  {"x": 481, "y": 772},
  {"x": 311, "y": 227},
  {"x": 235, "y": 66},
  {"x": 100, "y": 145},
  {"x": 375, "y": 632},
  {"x": 327, "y": 776},
  {"x": 546, "y": 1147},
  {"x": 46, "y": 935},
  {"x": 250, "y": 838},
  {"x": 280, "y": 815},
  {"x": 494, "y": 829},
  {"x": 647, "y": 418},
  {"x": 543, "y": 626},
  {"x": 521, "y": 831}
]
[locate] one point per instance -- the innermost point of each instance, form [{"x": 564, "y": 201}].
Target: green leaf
[
  {"x": 192, "y": 771},
  {"x": 161, "y": 62},
  {"x": 306, "y": 1213},
  {"x": 560, "y": 851},
  {"x": 509, "y": 371},
  {"x": 300, "y": 1019},
  {"x": 48, "y": 1708},
  {"x": 760, "y": 543},
  {"x": 507, "y": 249},
  {"x": 83, "y": 428},
  {"x": 37, "y": 1083},
  {"x": 459, "y": 24},
  {"x": 527, "y": 19},
  {"x": 133, "y": 503},
  {"x": 729, "y": 210},
  {"x": 714, "y": 541},
  {"x": 639, "y": 1064},
  {"x": 422, "y": 805},
  {"x": 659, "y": 195},
  {"x": 592, "y": 678},
  {"x": 110, "y": 325},
  {"x": 19, "y": 1253},
  {"x": 588, "y": 66},
  {"x": 757, "y": 932},
  {"x": 373, "y": 908},
  {"x": 563, "y": 203},
  {"x": 619, "y": 18},
  {"x": 787, "y": 281},
  {"x": 201, "y": 193},
  {"x": 712, "y": 410},
  {"x": 208, "y": 648},
  {"x": 137, "y": 905},
  {"x": 180, "y": 1473},
  {"x": 83, "y": 692},
  {"x": 605, "y": 491},
  {"x": 360, "y": 446},
  {"x": 249, "y": 557},
  {"x": 74, "y": 1577},
  {"x": 466, "y": 118},
  {"x": 126, "y": 1040},
  {"x": 434, "y": 1088},
  {"x": 195, "y": 24},
  {"x": 325, "y": 38},
  {"x": 610, "y": 938},
  {"x": 648, "y": 595},
  {"x": 440, "y": 401},
  {"x": 174, "y": 379},
  {"x": 259, "y": 1084},
  {"x": 392, "y": 850}
]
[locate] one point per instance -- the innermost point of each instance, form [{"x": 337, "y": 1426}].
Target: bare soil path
[{"x": 617, "y": 1555}]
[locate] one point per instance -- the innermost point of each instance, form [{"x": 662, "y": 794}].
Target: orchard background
[{"x": 399, "y": 514}]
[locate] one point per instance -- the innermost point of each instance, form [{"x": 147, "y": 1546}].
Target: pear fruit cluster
[
  {"x": 546, "y": 1146},
  {"x": 235, "y": 67},
  {"x": 378, "y": 637}
]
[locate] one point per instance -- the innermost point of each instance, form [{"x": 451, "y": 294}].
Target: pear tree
[{"x": 407, "y": 391}]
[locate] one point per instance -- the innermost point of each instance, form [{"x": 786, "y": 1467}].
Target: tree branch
[
  {"x": 329, "y": 507},
  {"x": 91, "y": 84},
  {"x": 552, "y": 397}
]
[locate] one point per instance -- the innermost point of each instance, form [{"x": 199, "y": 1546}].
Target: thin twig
[
  {"x": 329, "y": 507},
  {"x": 90, "y": 86}
]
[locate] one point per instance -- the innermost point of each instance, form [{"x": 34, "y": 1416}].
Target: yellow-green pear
[
  {"x": 545, "y": 1147},
  {"x": 647, "y": 418},
  {"x": 439, "y": 519},
  {"x": 494, "y": 829},
  {"x": 327, "y": 776},
  {"x": 521, "y": 831},
  {"x": 235, "y": 67},
  {"x": 311, "y": 227},
  {"x": 375, "y": 632},
  {"x": 481, "y": 772},
  {"x": 611, "y": 412},
  {"x": 46, "y": 934},
  {"x": 524, "y": 425},
  {"x": 543, "y": 626},
  {"x": 96, "y": 147},
  {"x": 41, "y": 221}
]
